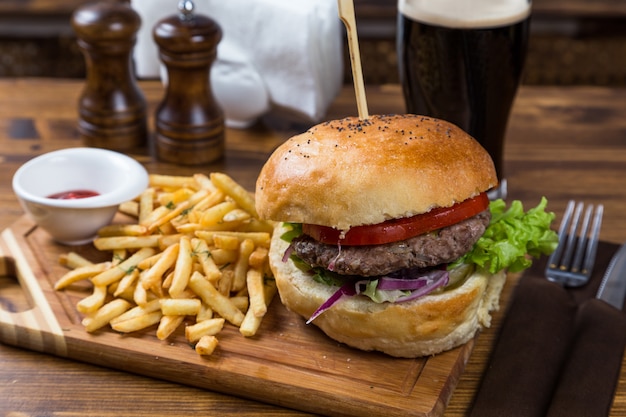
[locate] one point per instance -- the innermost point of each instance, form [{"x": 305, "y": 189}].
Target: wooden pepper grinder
[
  {"x": 189, "y": 122},
  {"x": 112, "y": 109}
]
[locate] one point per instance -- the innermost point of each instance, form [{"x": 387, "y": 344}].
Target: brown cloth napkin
[
  {"x": 554, "y": 344},
  {"x": 589, "y": 376}
]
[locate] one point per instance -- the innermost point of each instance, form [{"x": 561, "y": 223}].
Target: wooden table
[{"x": 563, "y": 143}]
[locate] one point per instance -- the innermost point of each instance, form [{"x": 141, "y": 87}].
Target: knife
[
  {"x": 589, "y": 376},
  {"x": 613, "y": 286}
]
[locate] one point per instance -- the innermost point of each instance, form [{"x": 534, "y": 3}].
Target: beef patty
[{"x": 439, "y": 247}]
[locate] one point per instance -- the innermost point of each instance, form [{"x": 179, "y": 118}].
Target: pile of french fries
[{"x": 197, "y": 250}]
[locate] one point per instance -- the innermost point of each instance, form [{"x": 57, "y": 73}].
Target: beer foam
[{"x": 466, "y": 14}]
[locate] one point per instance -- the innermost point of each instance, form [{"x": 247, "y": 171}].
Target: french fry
[
  {"x": 215, "y": 197},
  {"x": 237, "y": 215},
  {"x": 241, "y": 266},
  {"x": 242, "y": 302},
  {"x": 126, "y": 242},
  {"x": 256, "y": 292},
  {"x": 155, "y": 214},
  {"x": 122, "y": 230},
  {"x": 218, "y": 302},
  {"x": 105, "y": 314},
  {"x": 166, "y": 228},
  {"x": 130, "y": 208},
  {"x": 261, "y": 239},
  {"x": 205, "y": 258},
  {"x": 223, "y": 256},
  {"x": 72, "y": 260},
  {"x": 188, "y": 228},
  {"x": 191, "y": 214},
  {"x": 168, "y": 325},
  {"x": 235, "y": 191},
  {"x": 215, "y": 214},
  {"x": 225, "y": 284},
  {"x": 146, "y": 205},
  {"x": 118, "y": 256},
  {"x": 182, "y": 270},
  {"x": 126, "y": 283},
  {"x": 210, "y": 327},
  {"x": 127, "y": 294},
  {"x": 205, "y": 313},
  {"x": 206, "y": 345},
  {"x": 175, "y": 197},
  {"x": 161, "y": 221},
  {"x": 140, "y": 294},
  {"x": 167, "y": 282},
  {"x": 138, "y": 311},
  {"x": 80, "y": 273},
  {"x": 187, "y": 294},
  {"x": 220, "y": 227},
  {"x": 165, "y": 262},
  {"x": 116, "y": 273},
  {"x": 137, "y": 323},
  {"x": 204, "y": 182},
  {"x": 255, "y": 226},
  {"x": 258, "y": 258},
  {"x": 270, "y": 290},
  {"x": 180, "y": 306},
  {"x": 226, "y": 242},
  {"x": 251, "y": 323},
  {"x": 198, "y": 196},
  {"x": 170, "y": 181},
  {"x": 240, "y": 294},
  {"x": 169, "y": 240},
  {"x": 93, "y": 302},
  {"x": 149, "y": 261}
]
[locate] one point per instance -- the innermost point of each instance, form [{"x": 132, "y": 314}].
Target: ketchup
[{"x": 74, "y": 194}]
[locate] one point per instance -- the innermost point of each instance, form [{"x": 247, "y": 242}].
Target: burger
[{"x": 385, "y": 237}]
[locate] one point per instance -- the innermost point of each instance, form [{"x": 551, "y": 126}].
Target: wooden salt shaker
[
  {"x": 112, "y": 108},
  {"x": 189, "y": 122}
]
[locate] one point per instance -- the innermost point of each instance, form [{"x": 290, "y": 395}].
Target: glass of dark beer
[{"x": 462, "y": 61}]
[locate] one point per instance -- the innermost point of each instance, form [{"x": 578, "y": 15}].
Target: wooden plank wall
[{"x": 574, "y": 42}]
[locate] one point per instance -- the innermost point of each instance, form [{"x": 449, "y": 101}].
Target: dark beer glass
[{"x": 464, "y": 71}]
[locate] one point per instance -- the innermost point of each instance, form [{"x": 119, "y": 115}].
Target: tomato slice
[{"x": 400, "y": 229}]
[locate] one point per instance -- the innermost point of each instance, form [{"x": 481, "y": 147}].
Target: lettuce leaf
[
  {"x": 295, "y": 230},
  {"x": 513, "y": 237},
  {"x": 381, "y": 296}
]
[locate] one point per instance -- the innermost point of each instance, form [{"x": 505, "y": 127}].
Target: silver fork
[{"x": 572, "y": 262}]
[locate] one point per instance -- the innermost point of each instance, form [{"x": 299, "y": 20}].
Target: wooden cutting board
[{"x": 288, "y": 363}]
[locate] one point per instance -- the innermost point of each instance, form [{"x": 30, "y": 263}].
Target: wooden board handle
[{"x": 36, "y": 328}]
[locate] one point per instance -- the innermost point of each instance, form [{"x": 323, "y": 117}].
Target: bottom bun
[{"x": 425, "y": 326}]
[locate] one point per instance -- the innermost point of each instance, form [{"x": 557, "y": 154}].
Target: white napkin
[{"x": 275, "y": 55}]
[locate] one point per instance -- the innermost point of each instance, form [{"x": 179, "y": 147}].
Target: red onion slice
[
  {"x": 346, "y": 289},
  {"x": 412, "y": 283},
  {"x": 440, "y": 281},
  {"x": 288, "y": 252}
]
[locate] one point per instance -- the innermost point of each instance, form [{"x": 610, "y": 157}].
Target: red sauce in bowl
[{"x": 74, "y": 194}]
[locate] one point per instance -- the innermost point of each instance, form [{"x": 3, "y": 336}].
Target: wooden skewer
[{"x": 346, "y": 14}]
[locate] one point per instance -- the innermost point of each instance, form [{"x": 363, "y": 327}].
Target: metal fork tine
[
  {"x": 556, "y": 255},
  {"x": 582, "y": 240},
  {"x": 590, "y": 256},
  {"x": 571, "y": 238}
]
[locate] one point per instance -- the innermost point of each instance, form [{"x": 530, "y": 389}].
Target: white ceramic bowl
[{"x": 114, "y": 176}]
